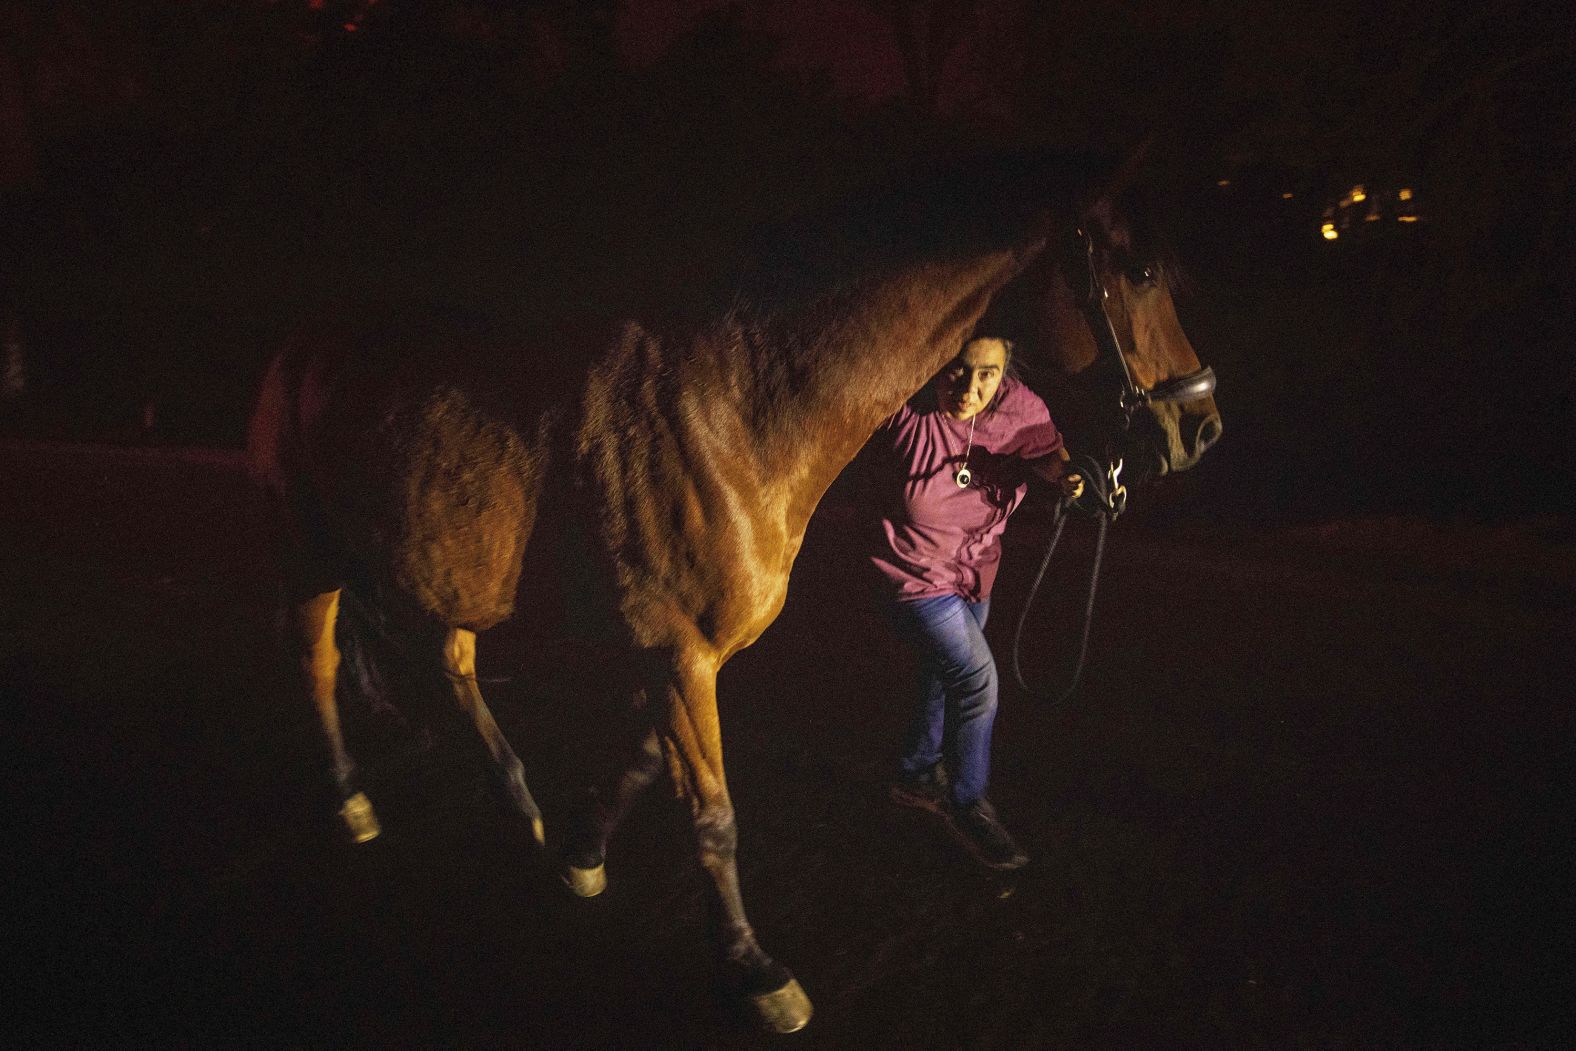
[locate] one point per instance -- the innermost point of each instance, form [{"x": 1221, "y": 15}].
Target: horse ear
[{"x": 1125, "y": 175}]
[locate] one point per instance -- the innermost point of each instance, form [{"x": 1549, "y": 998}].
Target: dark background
[
  {"x": 183, "y": 182},
  {"x": 1313, "y": 791}
]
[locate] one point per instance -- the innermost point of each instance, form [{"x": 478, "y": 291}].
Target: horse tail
[
  {"x": 360, "y": 632},
  {"x": 293, "y": 395},
  {"x": 269, "y": 430}
]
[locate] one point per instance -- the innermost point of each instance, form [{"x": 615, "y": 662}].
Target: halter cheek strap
[{"x": 1186, "y": 387}]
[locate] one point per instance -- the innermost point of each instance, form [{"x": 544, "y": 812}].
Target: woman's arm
[{"x": 1053, "y": 468}]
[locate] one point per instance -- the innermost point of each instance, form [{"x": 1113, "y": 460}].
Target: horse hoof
[
  {"x": 785, "y": 1010},
  {"x": 360, "y": 819},
  {"x": 586, "y": 883}
]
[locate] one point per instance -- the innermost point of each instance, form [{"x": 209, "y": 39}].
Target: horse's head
[{"x": 1096, "y": 305}]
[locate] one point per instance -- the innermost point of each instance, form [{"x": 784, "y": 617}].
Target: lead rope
[{"x": 1112, "y": 498}]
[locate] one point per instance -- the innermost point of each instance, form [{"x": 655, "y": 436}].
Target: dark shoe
[
  {"x": 930, "y": 790},
  {"x": 978, "y": 827}
]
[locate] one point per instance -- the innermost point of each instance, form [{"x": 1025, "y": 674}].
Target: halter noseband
[{"x": 1186, "y": 387}]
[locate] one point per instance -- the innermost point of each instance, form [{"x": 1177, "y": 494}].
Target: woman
[{"x": 958, "y": 457}]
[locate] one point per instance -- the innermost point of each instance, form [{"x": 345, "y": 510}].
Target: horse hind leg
[
  {"x": 459, "y": 665},
  {"x": 312, "y": 621},
  {"x": 585, "y": 849}
]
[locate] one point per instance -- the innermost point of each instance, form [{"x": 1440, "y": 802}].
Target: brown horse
[{"x": 667, "y": 469}]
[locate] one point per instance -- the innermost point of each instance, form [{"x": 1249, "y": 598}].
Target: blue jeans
[{"x": 956, "y": 690}]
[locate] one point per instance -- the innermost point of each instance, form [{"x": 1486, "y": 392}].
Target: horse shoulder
[{"x": 689, "y": 511}]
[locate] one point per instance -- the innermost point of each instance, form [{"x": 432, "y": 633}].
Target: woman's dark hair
[{"x": 1009, "y": 370}]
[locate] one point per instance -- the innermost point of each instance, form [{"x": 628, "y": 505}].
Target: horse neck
[{"x": 839, "y": 371}]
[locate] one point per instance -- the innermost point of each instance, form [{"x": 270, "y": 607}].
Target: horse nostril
[{"x": 1208, "y": 434}]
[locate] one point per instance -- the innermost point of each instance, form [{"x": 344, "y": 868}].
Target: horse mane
[{"x": 928, "y": 210}]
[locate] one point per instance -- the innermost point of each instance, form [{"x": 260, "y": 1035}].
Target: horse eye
[{"x": 1142, "y": 275}]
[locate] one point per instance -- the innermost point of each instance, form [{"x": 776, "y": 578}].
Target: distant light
[
  {"x": 1406, "y": 218},
  {"x": 1329, "y": 232},
  {"x": 1404, "y": 194},
  {"x": 1223, "y": 183},
  {"x": 1288, "y": 195},
  {"x": 1358, "y": 194},
  {"x": 351, "y": 27}
]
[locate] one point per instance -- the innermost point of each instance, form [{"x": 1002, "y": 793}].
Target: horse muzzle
[{"x": 1178, "y": 434}]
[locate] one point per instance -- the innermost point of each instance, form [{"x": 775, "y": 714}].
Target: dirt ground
[{"x": 1314, "y": 793}]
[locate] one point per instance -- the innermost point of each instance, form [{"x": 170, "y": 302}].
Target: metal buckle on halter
[{"x": 1117, "y": 499}]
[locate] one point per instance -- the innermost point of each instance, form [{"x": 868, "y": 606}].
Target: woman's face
[{"x": 965, "y": 387}]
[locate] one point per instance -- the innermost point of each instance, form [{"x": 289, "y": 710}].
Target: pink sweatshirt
[{"x": 941, "y": 538}]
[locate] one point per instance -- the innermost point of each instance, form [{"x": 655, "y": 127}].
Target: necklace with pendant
[{"x": 964, "y": 475}]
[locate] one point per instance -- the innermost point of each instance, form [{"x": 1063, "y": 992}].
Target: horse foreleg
[
  {"x": 459, "y": 662},
  {"x": 585, "y": 851},
  {"x": 312, "y": 623},
  {"x": 694, "y": 741}
]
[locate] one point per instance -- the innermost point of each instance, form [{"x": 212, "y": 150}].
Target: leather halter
[
  {"x": 1186, "y": 387},
  {"x": 1104, "y": 495}
]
